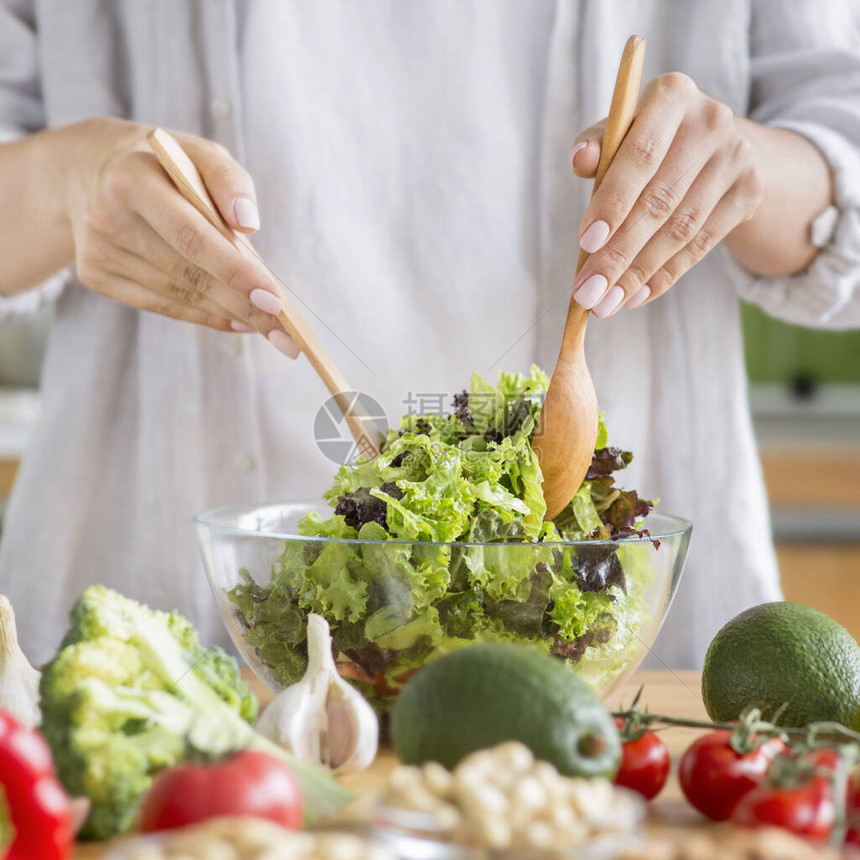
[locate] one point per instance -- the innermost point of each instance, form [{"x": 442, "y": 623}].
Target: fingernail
[
  {"x": 284, "y": 343},
  {"x": 266, "y": 301},
  {"x": 247, "y": 214},
  {"x": 609, "y": 302},
  {"x": 241, "y": 327},
  {"x": 638, "y": 298},
  {"x": 578, "y": 148},
  {"x": 588, "y": 295},
  {"x": 594, "y": 237}
]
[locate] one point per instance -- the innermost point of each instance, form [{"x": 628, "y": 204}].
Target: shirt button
[
  {"x": 248, "y": 462},
  {"x": 220, "y": 108},
  {"x": 234, "y": 346}
]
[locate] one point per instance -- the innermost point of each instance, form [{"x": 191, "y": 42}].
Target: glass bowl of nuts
[{"x": 502, "y": 804}]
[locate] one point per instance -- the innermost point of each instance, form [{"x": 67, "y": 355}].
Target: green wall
[{"x": 778, "y": 352}]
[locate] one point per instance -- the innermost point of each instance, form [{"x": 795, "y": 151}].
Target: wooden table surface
[{"x": 664, "y": 692}]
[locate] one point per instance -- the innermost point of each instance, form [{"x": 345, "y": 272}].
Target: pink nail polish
[
  {"x": 284, "y": 343},
  {"x": 591, "y": 291},
  {"x": 609, "y": 302},
  {"x": 594, "y": 238},
  {"x": 246, "y": 212},
  {"x": 241, "y": 327},
  {"x": 578, "y": 148},
  {"x": 639, "y": 297},
  {"x": 266, "y": 301}
]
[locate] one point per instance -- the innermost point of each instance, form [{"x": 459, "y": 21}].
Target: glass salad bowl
[{"x": 394, "y": 605}]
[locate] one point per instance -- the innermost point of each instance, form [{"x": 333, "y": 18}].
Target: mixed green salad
[{"x": 455, "y": 549}]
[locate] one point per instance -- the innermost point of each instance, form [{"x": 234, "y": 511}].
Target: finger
[
  {"x": 635, "y": 164},
  {"x": 676, "y": 212},
  {"x": 719, "y": 224},
  {"x": 284, "y": 343},
  {"x": 586, "y": 151},
  {"x": 180, "y": 279},
  {"x": 228, "y": 183},
  {"x": 196, "y": 240},
  {"x": 617, "y": 262},
  {"x": 687, "y": 219},
  {"x": 144, "y": 299},
  {"x": 190, "y": 288}
]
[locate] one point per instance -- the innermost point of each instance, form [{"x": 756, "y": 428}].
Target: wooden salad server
[
  {"x": 564, "y": 440},
  {"x": 189, "y": 183}
]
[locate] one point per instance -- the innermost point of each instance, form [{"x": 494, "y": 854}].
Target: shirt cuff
[
  {"x": 18, "y": 307},
  {"x": 827, "y": 293}
]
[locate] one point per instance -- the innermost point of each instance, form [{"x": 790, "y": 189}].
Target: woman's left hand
[{"x": 682, "y": 180}]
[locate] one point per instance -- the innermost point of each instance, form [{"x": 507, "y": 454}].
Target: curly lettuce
[{"x": 452, "y": 547}]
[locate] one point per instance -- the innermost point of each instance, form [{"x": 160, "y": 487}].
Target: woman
[{"x": 412, "y": 189}]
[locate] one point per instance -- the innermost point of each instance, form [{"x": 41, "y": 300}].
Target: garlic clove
[
  {"x": 353, "y": 734},
  {"x": 320, "y": 659},
  {"x": 289, "y": 719},
  {"x": 321, "y": 718},
  {"x": 19, "y": 681}
]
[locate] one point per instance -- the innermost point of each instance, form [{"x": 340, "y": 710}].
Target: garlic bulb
[
  {"x": 19, "y": 681},
  {"x": 322, "y": 719}
]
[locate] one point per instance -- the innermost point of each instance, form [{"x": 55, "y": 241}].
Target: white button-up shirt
[{"x": 412, "y": 164}]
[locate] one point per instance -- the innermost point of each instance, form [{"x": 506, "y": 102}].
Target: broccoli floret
[
  {"x": 101, "y": 612},
  {"x": 130, "y": 692},
  {"x": 214, "y": 666}
]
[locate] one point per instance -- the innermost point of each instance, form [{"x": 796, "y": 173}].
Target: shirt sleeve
[
  {"x": 21, "y": 113},
  {"x": 805, "y": 69}
]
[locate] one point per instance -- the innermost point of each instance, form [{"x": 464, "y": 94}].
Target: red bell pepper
[{"x": 35, "y": 811}]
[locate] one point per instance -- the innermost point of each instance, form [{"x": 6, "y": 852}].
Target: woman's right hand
[{"x": 137, "y": 240}]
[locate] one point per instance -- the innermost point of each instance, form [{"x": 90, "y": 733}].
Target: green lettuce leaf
[
  {"x": 515, "y": 385},
  {"x": 389, "y": 629},
  {"x": 602, "y": 433},
  {"x": 313, "y": 524},
  {"x": 487, "y": 404},
  {"x": 328, "y": 588}
]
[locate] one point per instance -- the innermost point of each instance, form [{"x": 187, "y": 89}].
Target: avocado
[
  {"x": 483, "y": 695},
  {"x": 783, "y": 655}
]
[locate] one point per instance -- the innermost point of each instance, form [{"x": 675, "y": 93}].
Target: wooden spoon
[
  {"x": 564, "y": 440},
  {"x": 188, "y": 181}
]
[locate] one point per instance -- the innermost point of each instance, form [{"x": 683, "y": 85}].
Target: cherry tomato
[
  {"x": 248, "y": 783},
  {"x": 825, "y": 759},
  {"x": 853, "y": 835},
  {"x": 644, "y": 764},
  {"x": 820, "y": 763},
  {"x": 714, "y": 777},
  {"x": 806, "y": 810}
]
